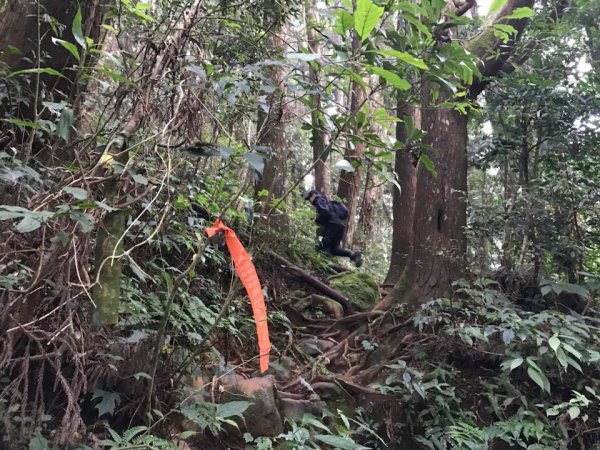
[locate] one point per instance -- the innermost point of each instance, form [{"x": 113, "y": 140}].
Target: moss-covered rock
[{"x": 360, "y": 288}]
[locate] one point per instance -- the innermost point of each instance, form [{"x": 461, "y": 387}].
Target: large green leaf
[
  {"x": 72, "y": 48},
  {"x": 406, "y": 57},
  {"x": 339, "y": 442},
  {"x": 539, "y": 378},
  {"x": 108, "y": 401},
  {"x": 366, "y": 17},
  {"x": 496, "y": 6},
  {"x": 521, "y": 13},
  {"x": 344, "y": 22},
  {"x": 390, "y": 77},
  {"x": 41, "y": 70},
  {"x": 76, "y": 29},
  {"x": 232, "y": 409}
]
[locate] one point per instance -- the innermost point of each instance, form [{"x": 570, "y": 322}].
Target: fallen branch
[{"x": 312, "y": 281}]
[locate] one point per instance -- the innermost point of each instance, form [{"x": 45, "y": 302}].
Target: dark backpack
[{"x": 339, "y": 209}]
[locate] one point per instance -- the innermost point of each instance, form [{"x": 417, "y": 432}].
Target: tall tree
[
  {"x": 438, "y": 242},
  {"x": 271, "y": 131},
  {"x": 319, "y": 136},
  {"x": 349, "y": 184}
]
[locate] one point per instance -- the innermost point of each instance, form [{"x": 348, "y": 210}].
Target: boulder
[
  {"x": 359, "y": 288},
  {"x": 262, "y": 418},
  {"x": 313, "y": 301}
]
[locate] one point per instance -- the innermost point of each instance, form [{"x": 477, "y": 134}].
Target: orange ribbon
[{"x": 247, "y": 274}]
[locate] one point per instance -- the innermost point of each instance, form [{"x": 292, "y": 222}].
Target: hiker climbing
[{"x": 331, "y": 218}]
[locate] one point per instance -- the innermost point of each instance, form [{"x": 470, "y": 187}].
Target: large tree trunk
[
  {"x": 403, "y": 201},
  {"x": 25, "y": 28},
  {"x": 437, "y": 245},
  {"x": 349, "y": 185},
  {"x": 319, "y": 135}
]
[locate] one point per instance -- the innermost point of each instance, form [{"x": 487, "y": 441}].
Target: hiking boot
[{"x": 357, "y": 258}]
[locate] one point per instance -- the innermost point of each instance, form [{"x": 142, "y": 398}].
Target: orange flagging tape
[{"x": 247, "y": 274}]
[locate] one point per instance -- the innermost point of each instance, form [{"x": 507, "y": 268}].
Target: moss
[{"x": 360, "y": 288}]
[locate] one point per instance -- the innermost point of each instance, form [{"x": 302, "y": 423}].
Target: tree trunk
[
  {"x": 319, "y": 135},
  {"x": 403, "y": 201},
  {"x": 271, "y": 134},
  {"x": 439, "y": 245},
  {"x": 19, "y": 25},
  {"x": 109, "y": 240},
  {"x": 349, "y": 186}
]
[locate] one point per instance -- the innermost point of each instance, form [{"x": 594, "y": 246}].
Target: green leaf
[
  {"x": 29, "y": 223},
  {"x": 108, "y": 401},
  {"x": 571, "y": 350},
  {"x": 76, "y": 29},
  {"x": 41, "y": 70},
  {"x": 232, "y": 409},
  {"x": 554, "y": 342},
  {"x": 539, "y": 378},
  {"x": 345, "y": 21},
  {"x": 129, "y": 434},
  {"x": 366, "y": 17},
  {"x": 338, "y": 442},
  {"x": 309, "y": 419},
  {"x": 521, "y": 13},
  {"x": 406, "y": 57},
  {"x": 496, "y": 6},
  {"x": 256, "y": 161},
  {"x": 390, "y": 77},
  {"x": 72, "y": 48},
  {"x": 23, "y": 123},
  {"x": 187, "y": 434},
  {"x": 514, "y": 363},
  {"x": 574, "y": 412},
  {"x": 78, "y": 193},
  {"x": 428, "y": 163},
  {"x": 63, "y": 127}
]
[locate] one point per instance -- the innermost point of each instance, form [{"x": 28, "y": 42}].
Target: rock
[
  {"x": 295, "y": 409},
  {"x": 314, "y": 301},
  {"x": 262, "y": 418},
  {"x": 360, "y": 288},
  {"x": 314, "y": 346}
]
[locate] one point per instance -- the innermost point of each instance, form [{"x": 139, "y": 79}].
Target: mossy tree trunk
[{"x": 106, "y": 292}]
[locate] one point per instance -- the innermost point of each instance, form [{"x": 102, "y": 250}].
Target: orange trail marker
[{"x": 247, "y": 274}]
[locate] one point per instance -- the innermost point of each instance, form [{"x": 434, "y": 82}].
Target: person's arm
[{"x": 323, "y": 213}]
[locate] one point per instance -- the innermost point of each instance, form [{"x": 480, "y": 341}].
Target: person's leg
[{"x": 335, "y": 235}]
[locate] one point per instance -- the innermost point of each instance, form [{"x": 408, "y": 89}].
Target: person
[{"x": 332, "y": 227}]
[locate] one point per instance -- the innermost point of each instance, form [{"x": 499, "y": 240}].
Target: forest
[{"x": 169, "y": 279}]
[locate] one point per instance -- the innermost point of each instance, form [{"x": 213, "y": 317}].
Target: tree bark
[
  {"x": 109, "y": 240},
  {"x": 319, "y": 136},
  {"x": 349, "y": 185},
  {"x": 271, "y": 134},
  {"x": 19, "y": 25},
  {"x": 437, "y": 246},
  {"x": 403, "y": 205},
  {"x": 438, "y": 249}
]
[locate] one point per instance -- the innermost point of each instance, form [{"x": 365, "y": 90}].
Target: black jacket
[{"x": 325, "y": 215}]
